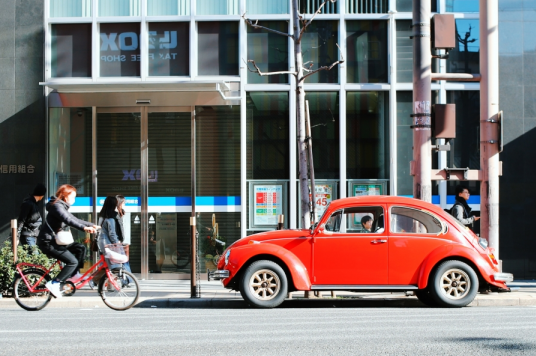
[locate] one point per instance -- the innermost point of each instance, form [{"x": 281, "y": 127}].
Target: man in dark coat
[
  {"x": 461, "y": 210},
  {"x": 29, "y": 221}
]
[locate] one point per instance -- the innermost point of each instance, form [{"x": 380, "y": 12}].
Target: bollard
[
  {"x": 15, "y": 242},
  {"x": 280, "y": 221}
]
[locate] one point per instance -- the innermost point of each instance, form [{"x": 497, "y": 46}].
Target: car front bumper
[
  {"x": 218, "y": 274},
  {"x": 503, "y": 277}
]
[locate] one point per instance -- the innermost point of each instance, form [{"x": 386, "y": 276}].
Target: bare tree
[{"x": 302, "y": 72}]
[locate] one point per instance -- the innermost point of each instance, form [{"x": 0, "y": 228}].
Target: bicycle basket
[{"x": 115, "y": 253}]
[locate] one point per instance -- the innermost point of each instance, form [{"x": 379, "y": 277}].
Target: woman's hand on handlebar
[{"x": 91, "y": 229}]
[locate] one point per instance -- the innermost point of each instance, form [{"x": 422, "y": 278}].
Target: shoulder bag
[{"x": 63, "y": 238}]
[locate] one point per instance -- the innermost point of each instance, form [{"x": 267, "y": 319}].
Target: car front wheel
[
  {"x": 454, "y": 284},
  {"x": 264, "y": 284}
]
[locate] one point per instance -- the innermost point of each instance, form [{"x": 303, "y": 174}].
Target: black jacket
[
  {"x": 29, "y": 221},
  {"x": 461, "y": 211},
  {"x": 59, "y": 218}
]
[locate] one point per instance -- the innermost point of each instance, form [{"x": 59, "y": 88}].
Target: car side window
[
  {"x": 361, "y": 220},
  {"x": 414, "y": 221}
]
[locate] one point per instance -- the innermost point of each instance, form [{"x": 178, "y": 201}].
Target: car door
[
  {"x": 414, "y": 234},
  {"x": 344, "y": 253}
]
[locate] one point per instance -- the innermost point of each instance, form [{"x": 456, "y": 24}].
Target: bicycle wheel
[
  {"x": 31, "y": 300},
  {"x": 180, "y": 258},
  {"x": 124, "y": 294}
]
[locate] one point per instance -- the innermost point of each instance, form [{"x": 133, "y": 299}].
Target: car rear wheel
[
  {"x": 454, "y": 284},
  {"x": 264, "y": 284}
]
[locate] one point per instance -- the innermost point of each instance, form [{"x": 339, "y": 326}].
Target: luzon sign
[
  {"x": 129, "y": 41},
  {"x": 135, "y": 174}
]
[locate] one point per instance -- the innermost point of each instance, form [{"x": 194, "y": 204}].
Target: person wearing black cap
[{"x": 29, "y": 221}]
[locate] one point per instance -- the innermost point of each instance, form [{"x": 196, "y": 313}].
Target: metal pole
[
  {"x": 422, "y": 62},
  {"x": 193, "y": 274},
  {"x": 311, "y": 163},
  {"x": 144, "y": 190},
  {"x": 489, "y": 109},
  {"x": 15, "y": 239}
]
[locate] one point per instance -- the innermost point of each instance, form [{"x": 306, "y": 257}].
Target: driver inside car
[{"x": 366, "y": 222}]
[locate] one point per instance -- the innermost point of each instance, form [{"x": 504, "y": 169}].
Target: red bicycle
[{"x": 118, "y": 288}]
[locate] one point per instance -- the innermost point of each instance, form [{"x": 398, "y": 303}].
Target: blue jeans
[{"x": 28, "y": 240}]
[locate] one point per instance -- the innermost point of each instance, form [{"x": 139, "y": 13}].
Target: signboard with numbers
[
  {"x": 267, "y": 201},
  {"x": 325, "y": 193}
]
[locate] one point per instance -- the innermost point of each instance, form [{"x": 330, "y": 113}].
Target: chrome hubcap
[
  {"x": 264, "y": 284},
  {"x": 455, "y": 283}
]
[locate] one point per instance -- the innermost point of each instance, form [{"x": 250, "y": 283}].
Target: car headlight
[
  {"x": 483, "y": 242},
  {"x": 227, "y": 254}
]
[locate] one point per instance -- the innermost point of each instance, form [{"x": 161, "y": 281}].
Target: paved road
[{"x": 282, "y": 331}]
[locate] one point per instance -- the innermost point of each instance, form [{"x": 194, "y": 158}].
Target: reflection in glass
[
  {"x": 217, "y": 7},
  {"x": 311, "y": 6},
  {"x": 367, "y": 51},
  {"x": 119, "y": 50},
  {"x": 71, "y": 50},
  {"x": 70, "y": 8},
  {"x": 269, "y": 51},
  {"x": 267, "y": 7},
  {"x": 462, "y": 5},
  {"x": 367, "y": 6},
  {"x": 168, "y": 7},
  {"x": 404, "y": 143},
  {"x": 324, "y": 112},
  {"x": 404, "y": 52},
  {"x": 119, "y": 7},
  {"x": 319, "y": 46},
  {"x": 218, "y": 48},
  {"x": 367, "y": 132},
  {"x": 169, "y": 45},
  {"x": 267, "y": 118},
  {"x": 465, "y": 148},
  {"x": 406, "y": 5},
  {"x": 465, "y": 57}
]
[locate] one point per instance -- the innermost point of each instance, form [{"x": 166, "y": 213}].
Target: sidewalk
[{"x": 176, "y": 294}]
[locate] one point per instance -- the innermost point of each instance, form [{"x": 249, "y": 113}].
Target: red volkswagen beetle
[{"x": 370, "y": 243}]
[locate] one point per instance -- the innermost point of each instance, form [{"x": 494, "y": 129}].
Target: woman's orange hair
[{"x": 63, "y": 191}]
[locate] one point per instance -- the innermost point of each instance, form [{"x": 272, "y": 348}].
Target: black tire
[
  {"x": 264, "y": 284},
  {"x": 454, "y": 284},
  {"x": 26, "y": 299},
  {"x": 426, "y": 298},
  {"x": 123, "y": 298}
]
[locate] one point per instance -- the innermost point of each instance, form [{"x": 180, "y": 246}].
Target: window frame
[
  {"x": 343, "y": 222},
  {"x": 444, "y": 225}
]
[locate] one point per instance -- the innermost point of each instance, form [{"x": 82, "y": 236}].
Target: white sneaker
[
  {"x": 75, "y": 277},
  {"x": 54, "y": 288}
]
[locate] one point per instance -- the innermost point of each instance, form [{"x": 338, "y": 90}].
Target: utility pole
[
  {"x": 421, "y": 166},
  {"x": 489, "y": 109}
]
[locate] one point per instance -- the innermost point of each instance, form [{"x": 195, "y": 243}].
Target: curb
[{"x": 222, "y": 303}]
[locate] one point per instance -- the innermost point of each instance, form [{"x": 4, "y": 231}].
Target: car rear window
[{"x": 413, "y": 221}]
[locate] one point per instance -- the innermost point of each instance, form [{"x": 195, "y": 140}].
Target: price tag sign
[
  {"x": 323, "y": 196},
  {"x": 268, "y": 204}
]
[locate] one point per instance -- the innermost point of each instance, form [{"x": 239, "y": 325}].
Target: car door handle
[{"x": 382, "y": 241}]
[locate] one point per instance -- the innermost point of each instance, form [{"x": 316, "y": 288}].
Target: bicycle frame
[{"x": 79, "y": 283}]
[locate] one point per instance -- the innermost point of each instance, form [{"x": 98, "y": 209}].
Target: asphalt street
[{"x": 282, "y": 331}]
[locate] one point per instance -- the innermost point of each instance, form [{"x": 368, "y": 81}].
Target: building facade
[{"x": 153, "y": 100}]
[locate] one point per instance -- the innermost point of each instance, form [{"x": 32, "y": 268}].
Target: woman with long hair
[
  {"x": 60, "y": 219},
  {"x": 124, "y": 238}
]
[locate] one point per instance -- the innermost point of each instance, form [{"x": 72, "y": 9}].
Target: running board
[{"x": 362, "y": 287}]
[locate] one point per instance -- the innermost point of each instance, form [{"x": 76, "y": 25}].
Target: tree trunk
[{"x": 300, "y": 118}]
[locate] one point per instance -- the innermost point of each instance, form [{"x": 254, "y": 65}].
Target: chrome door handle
[{"x": 379, "y": 241}]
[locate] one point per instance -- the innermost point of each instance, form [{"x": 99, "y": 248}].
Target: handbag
[{"x": 63, "y": 238}]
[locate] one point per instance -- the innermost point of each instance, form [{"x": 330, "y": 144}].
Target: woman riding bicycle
[{"x": 59, "y": 218}]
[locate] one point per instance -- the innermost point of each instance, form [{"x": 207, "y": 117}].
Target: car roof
[{"x": 383, "y": 199}]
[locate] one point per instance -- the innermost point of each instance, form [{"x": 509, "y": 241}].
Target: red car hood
[{"x": 272, "y": 235}]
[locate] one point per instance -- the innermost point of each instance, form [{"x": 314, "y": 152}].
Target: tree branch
[
  {"x": 324, "y": 67},
  {"x": 255, "y": 25},
  {"x": 312, "y": 18},
  {"x": 258, "y": 70}
]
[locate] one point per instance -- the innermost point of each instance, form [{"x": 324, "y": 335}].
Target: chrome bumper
[
  {"x": 503, "y": 277},
  {"x": 218, "y": 274}
]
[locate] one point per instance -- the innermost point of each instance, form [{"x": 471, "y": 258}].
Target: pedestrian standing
[
  {"x": 461, "y": 210},
  {"x": 123, "y": 237},
  {"x": 29, "y": 221}
]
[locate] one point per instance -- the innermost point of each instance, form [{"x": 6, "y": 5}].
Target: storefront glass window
[
  {"x": 267, "y": 135},
  {"x": 465, "y": 57},
  {"x": 404, "y": 52},
  {"x": 462, "y": 5},
  {"x": 367, "y": 51},
  {"x": 71, "y": 50},
  {"x": 169, "y": 45},
  {"x": 218, "y": 48},
  {"x": 120, "y": 50},
  {"x": 319, "y": 47},
  {"x": 70, "y": 8},
  {"x": 269, "y": 51},
  {"x": 119, "y": 7},
  {"x": 324, "y": 112},
  {"x": 404, "y": 142},
  {"x": 217, "y": 7},
  {"x": 367, "y": 132},
  {"x": 168, "y": 7},
  {"x": 267, "y": 7},
  {"x": 406, "y": 5},
  {"x": 367, "y": 6}
]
